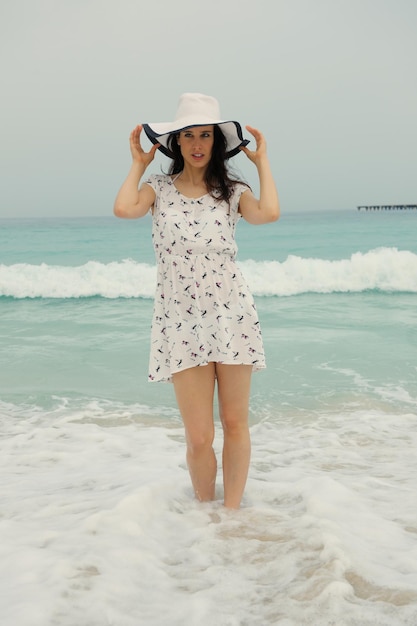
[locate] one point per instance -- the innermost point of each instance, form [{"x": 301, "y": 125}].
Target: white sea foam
[
  {"x": 126, "y": 279},
  {"x": 382, "y": 269},
  {"x": 99, "y": 525}
]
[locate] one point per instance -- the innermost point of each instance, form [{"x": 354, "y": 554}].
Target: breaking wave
[{"x": 382, "y": 269}]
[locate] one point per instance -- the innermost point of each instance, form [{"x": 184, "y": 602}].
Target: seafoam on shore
[{"x": 99, "y": 525}]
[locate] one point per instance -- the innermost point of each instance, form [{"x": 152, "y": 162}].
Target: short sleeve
[
  {"x": 238, "y": 189},
  {"x": 155, "y": 182}
]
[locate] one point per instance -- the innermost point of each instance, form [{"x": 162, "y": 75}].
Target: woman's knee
[
  {"x": 234, "y": 422},
  {"x": 199, "y": 442}
]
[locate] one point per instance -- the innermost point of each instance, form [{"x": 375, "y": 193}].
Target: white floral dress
[{"x": 203, "y": 309}]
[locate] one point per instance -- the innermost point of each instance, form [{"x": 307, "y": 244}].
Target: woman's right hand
[{"x": 138, "y": 153}]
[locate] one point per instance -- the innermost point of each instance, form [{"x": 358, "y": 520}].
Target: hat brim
[{"x": 160, "y": 133}]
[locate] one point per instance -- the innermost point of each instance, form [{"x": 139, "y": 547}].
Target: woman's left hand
[{"x": 260, "y": 152}]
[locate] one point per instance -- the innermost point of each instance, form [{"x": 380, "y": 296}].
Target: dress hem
[{"x": 168, "y": 379}]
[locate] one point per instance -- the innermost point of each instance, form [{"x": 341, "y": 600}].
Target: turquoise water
[
  {"x": 327, "y": 235},
  {"x": 77, "y": 305},
  {"x": 95, "y": 488}
]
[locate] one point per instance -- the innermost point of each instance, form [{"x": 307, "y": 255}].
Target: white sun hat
[{"x": 196, "y": 109}]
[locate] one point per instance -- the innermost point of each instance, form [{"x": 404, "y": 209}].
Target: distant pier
[{"x": 387, "y": 207}]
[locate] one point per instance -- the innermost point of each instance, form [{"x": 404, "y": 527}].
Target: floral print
[{"x": 203, "y": 309}]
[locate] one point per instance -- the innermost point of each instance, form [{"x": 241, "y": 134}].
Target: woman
[{"x": 205, "y": 326}]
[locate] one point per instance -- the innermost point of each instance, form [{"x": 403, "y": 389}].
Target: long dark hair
[{"x": 218, "y": 182}]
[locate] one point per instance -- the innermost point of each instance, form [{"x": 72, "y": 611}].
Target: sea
[{"x": 98, "y": 522}]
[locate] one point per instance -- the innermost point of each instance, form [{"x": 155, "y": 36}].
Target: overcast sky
[{"x": 331, "y": 83}]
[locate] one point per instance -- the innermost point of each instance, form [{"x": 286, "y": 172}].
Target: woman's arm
[
  {"x": 266, "y": 208},
  {"x": 132, "y": 202}
]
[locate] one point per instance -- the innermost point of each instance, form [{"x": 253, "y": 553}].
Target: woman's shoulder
[
  {"x": 240, "y": 184},
  {"x": 157, "y": 181},
  {"x": 158, "y": 178},
  {"x": 239, "y": 187}
]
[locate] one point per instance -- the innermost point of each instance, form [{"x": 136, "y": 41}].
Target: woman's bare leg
[
  {"x": 194, "y": 390},
  {"x": 233, "y": 383}
]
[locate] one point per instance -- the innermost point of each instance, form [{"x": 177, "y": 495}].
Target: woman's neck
[
  {"x": 193, "y": 176},
  {"x": 191, "y": 183}
]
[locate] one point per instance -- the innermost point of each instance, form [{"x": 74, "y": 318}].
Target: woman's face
[{"x": 196, "y": 145}]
